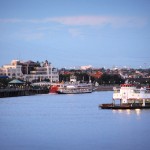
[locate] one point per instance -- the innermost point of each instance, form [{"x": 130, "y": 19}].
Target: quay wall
[
  {"x": 26, "y": 92},
  {"x": 104, "y": 88},
  {"x": 21, "y": 92}
]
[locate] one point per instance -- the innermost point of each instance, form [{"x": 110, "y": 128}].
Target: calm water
[{"x": 71, "y": 122}]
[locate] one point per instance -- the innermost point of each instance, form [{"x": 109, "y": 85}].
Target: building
[
  {"x": 42, "y": 73},
  {"x": 85, "y": 67},
  {"x": 29, "y": 66},
  {"x": 30, "y": 71},
  {"x": 12, "y": 70},
  {"x": 96, "y": 74}
]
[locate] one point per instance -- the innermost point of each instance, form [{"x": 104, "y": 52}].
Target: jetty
[{"x": 21, "y": 92}]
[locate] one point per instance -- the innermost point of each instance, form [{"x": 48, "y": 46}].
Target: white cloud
[
  {"x": 114, "y": 21},
  {"x": 101, "y": 21}
]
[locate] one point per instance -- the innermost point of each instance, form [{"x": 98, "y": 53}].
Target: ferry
[
  {"x": 79, "y": 88},
  {"x": 72, "y": 87},
  {"x": 129, "y": 97}
]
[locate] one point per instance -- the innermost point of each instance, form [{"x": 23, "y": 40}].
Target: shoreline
[
  {"x": 21, "y": 92},
  {"x": 27, "y": 92},
  {"x": 104, "y": 88}
]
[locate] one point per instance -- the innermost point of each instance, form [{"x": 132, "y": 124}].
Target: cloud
[
  {"x": 114, "y": 21},
  {"x": 100, "y": 21},
  {"x": 82, "y": 20}
]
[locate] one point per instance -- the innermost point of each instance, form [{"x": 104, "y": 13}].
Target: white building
[
  {"x": 12, "y": 70},
  {"x": 46, "y": 72},
  {"x": 86, "y": 67}
]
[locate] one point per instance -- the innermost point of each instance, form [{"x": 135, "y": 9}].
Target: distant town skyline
[{"x": 71, "y": 33}]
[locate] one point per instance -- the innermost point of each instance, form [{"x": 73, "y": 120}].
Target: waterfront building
[
  {"x": 30, "y": 71},
  {"x": 29, "y": 66},
  {"x": 44, "y": 72},
  {"x": 12, "y": 70}
]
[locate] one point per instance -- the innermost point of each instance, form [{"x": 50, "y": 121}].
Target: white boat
[
  {"x": 130, "y": 97},
  {"x": 73, "y": 88},
  {"x": 129, "y": 93}
]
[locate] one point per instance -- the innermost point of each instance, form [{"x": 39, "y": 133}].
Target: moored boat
[
  {"x": 75, "y": 89},
  {"x": 129, "y": 97},
  {"x": 54, "y": 87}
]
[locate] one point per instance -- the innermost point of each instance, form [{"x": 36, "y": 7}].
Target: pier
[{"x": 21, "y": 92}]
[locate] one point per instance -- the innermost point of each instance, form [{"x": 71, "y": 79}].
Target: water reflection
[
  {"x": 128, "y": 111},
  {"x": 138, "y": 112}
]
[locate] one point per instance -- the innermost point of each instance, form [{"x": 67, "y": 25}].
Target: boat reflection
[
  {"x": 128, "y": 111},
  {"x": 138, "y": 111}
]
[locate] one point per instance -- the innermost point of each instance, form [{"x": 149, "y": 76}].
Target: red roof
[
  {"x": 126, "y": 85},
  {"x": 98, "y": 74}
]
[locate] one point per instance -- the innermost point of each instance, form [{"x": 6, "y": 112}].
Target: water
[{"x": 71, "y": 122}]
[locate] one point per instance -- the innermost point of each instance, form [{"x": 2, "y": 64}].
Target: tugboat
[{"x": 130, "y": 97}]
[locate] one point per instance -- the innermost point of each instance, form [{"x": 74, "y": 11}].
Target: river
[{"x": 71, "y": 122}]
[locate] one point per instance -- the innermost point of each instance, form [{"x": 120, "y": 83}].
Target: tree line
[{"x": 84, "y": 77}]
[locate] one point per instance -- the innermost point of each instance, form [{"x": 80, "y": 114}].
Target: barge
[{"x": 129, "y": 96}]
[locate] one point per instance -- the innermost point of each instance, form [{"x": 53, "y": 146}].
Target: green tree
[
  {"x": 110, "y": 79},
  {"x": 4, "y": 82},
  {"x": 64, "y": 77}
]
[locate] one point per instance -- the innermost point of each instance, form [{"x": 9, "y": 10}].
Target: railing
[{"x": 116, "y": 91}]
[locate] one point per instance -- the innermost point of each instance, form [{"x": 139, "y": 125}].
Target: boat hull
[
  {"x": 111, "y": 106},
  {"x": 61, "y": 92}
]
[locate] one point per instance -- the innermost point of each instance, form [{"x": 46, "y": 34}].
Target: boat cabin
[{"x": 129, "y": 94}]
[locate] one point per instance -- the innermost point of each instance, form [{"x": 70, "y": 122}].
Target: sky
[{"x": 72, "y": 33}]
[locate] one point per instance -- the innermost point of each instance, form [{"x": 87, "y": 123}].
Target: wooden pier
[{"x": 21, "y": 92}]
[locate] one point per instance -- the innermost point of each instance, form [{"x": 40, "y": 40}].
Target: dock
[{"x": 21, "y": 92}]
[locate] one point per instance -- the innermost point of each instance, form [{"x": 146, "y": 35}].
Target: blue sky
[{"x": 68, "y": 33}]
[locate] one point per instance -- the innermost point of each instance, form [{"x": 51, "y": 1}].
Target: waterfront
[{"x": 70, "y": 122}]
